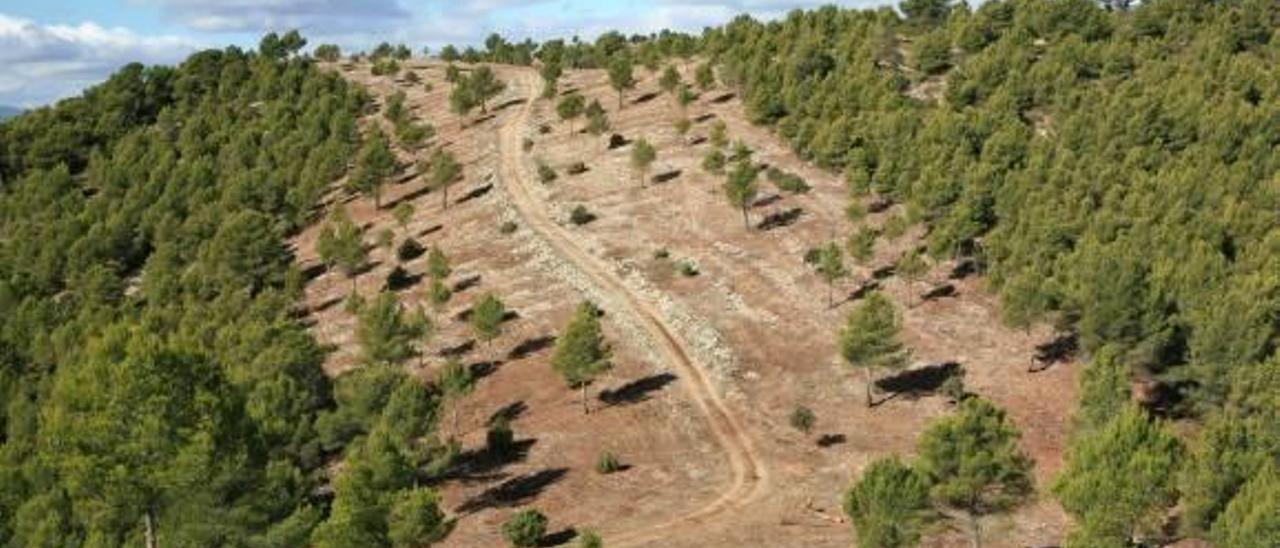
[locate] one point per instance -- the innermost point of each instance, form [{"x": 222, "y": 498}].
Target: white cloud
[
  {"x": 311, "y": 16},
  {"x": 47, "y": 62}
]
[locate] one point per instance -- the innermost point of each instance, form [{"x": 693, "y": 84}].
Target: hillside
[{"x": 1002, "y": 276}]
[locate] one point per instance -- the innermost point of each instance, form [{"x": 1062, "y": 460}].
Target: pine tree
[
  {"x": 1117, "y": 481},
  {"x": 487, "y": 317},
  {"x": 705, "y": 77},
  {"x": 888, "y": 505},
  {"x": 340, "y": 244},
  {"x": 831, "y": 268},
  {"x": 444, "y": 171},
  {"x": 385, "y": 332},
  {"x": 740, "y": 189},
  {"x": 974, "y": 464},
  {"x": 416, "y": 520},
  {"x": 570, "y": 108},
  {"x": 621, "y": 78},
  {"x": 869, "y": 339},
  {"x": 581, "y": 351},
  {"x": 670, "y": 80},
  {"x": 642, "y": 156},
  {"x": 374, "y": 164}
]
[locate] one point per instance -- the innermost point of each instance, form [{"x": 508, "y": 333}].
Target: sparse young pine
[
  {"x": 525, "y": 529},
  {"x": 719, "y": 134},
  {"x": 444, "y": 171},
  {"x": 862, "y": 246},
  {"x": 889, "y": 505},
  {"x": 869, "y": 340},
  {"x": 912, "y": 267},
  {"x": 974, "y": 464},
  {"x": 581, "y": 352},
  {"x": 484, "y": 86},
  {"x": 403, "y": 213},
  {"x": 340, "y": 244},
  {"x": 455, "y": 381},
  {"x": 705, "y": 77},
  {"x": 374, "y": 164},
  {"x": 487, "y": 317},
  {"x": 684, "y": 97},
  {"x": 550, "y": 73},
  {"x": 621, "y": 78},
  {"x": 438, "y": 264},
  {"x": 682, "y": 127},
  {"x": 570, "y": 108},
  {"x": 740, "y": 189},
  {"x": 670, "y": 80},
  {"x": 597, "y": 119},
  {"x": 642, "y": 156},
  {"x": 831, "y": 268},
  {"x": 386, "y": 334}
]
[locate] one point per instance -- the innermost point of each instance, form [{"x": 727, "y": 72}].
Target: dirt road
[{"x": 750, "y": 476}]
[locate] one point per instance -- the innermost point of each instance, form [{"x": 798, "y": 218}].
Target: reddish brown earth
[{"x": 712, "y": 460}]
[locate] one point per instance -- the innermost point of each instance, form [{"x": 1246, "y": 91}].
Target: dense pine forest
[
  {"x": 1115, "y": 172},
  {"x": 1112, "y": 169},
  {"x": 156, "y": 382}
]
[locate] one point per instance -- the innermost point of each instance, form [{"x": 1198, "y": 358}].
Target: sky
[{"x": 51, "y": 49}]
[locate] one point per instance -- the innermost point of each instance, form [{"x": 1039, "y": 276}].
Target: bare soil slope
[{"x": 731, "y": 351}]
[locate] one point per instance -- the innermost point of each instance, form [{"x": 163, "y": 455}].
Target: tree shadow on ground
[
  {"x": 1058, "y": 350},
  {"x": 475, "y": 194},
  {"x": 558, "y": 538},
  {"x": 940, "y": 292},
  {"x": 636, "y": 391},
  {"x": 830, "y": 440},
  {"x": 513, "y": 492},
  {"x": 766, "y": 201},
  {"x": 724, "y": 98},
  {"x": 430, "y": 230},
  {"x": 509, "y": 104},
  {"x": 920, "y": 381},
  {"x": 531, "y": 346},
  {"x": 458, "y": 350},
  {"x": 645, "y": 98},
  {"x": 781, "y": 219},
  {"x": 466, "y": 283},
  {"x": 508, "y": 412},
  {"x": 666, "y": 176},
  {"x": 704, "y": 117},
  {"x": 482, "y": 464}
]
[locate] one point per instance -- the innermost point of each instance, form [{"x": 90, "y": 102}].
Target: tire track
[{"x": 750, "y": 476}]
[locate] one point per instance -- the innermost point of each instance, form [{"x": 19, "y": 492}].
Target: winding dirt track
[{"x": 750, "y": 476}]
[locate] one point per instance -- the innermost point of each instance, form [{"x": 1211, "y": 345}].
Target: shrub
[
  {"x": 661, "y": 253},
  {"x": 507, "y": 227},
  {"x": 545, "y": 173},
  {"x": 526, "y": 144},
  {"x": 581, "y": 215},
  {"x": 589, "y": 539},
  {"x": 525, "y": 528},
  {"x": 439, "y": 294},
  {"x": 409, "y": 250},
  {"x": 577, "y": 168},
  {"x": 894, "y": 227},
  {"x": 354, "y": 303},
  {"x": 802, "y": 419},
  {"x": 787, "y": 182},
  {"x": 608, "y": 463},
  {"x": 687, "y": 268},
  {"x": 713, "y": 162}
]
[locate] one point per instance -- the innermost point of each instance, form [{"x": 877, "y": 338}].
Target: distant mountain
[{"x": 9, "y": 112}]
